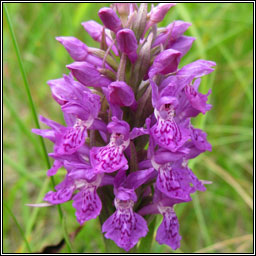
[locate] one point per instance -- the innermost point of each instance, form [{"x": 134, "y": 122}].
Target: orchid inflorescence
[{"x": 128, "y": 135}]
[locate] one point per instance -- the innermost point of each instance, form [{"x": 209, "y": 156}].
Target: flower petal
[
  {"x": 125, "y": 229},
  {"x": 168, "y": 231},
  {"x": 87, "y": 204}
]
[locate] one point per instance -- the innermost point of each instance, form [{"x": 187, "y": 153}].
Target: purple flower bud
[
  {"x": 127, "y": 43},
  {"x": 125, "y": 8},
  {"x": 165, "y": 62},
  {"x": 95, "y": 30},
  {"x": 121, "y": 94},
  {"x": 88, "y": 75},
  {"x": 122, "y": 8},
  {"x": 110, "y": 19},
  {"x": 77, "y": 49},
  {"x": 178, "y": 28},
  {"x": 158, "y": 13}
]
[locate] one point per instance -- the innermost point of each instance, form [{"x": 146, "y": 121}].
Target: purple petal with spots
[
  {"x": 168, "y": 231},
  {"x": 169, "y": 135},
  {"x": 125, "y": 228},
  {"x": 107, "y": 159},
  {"x": 70, "y": 140},
  {"x": 87, "y": 204},
  {"x": 63, "y": 193},
  {"x": 174, "y": 183}
]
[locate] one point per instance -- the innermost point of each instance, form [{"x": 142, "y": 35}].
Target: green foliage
[{"x": 220, "y": 219}]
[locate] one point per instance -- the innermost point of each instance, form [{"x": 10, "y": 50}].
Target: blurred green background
[{"x": 218, "y": 220}]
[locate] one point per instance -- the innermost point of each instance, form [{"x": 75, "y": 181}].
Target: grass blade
[
  {"x": 21, "y": 125},
  {"x": 19, "y": 227},
  {"x": 237, "y": 72},
  {"x": 33, "y": 109},
  {"x": 223, "y": 244},
  {"x": 21, "y": 170},
  {"x": 25, "y": 80},
  {"x": 230, "y": 180}
]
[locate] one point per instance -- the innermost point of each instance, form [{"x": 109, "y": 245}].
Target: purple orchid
[
  {"x": 82, "y": 178},
  {"x": 128, "y": 108},
  {"x": 125, "y": 226},
  {"x": 168, "y": 231},
  {"x": 110, "y": 158}
]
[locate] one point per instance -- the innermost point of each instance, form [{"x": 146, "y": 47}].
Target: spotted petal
[
  {"x": 64, "y": 192},
  {"x": 125, "y": 228},
  {"x": 169, "y": 135},
  {"x": 108, "y": 158},
  {"x": 174, "y": 183},
  {"x": 168, "y": 231},
  {"x": 87, "y": 204},
  {"x": 70, "y": 140}
]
